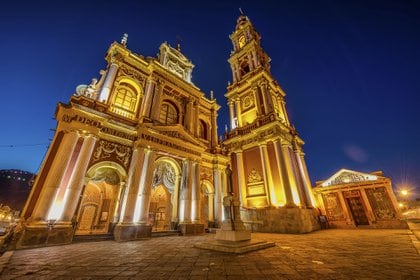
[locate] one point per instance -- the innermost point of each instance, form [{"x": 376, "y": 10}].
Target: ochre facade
[
  {"x": 138, "y": 151},
  {"x": 351, "y": 199}
]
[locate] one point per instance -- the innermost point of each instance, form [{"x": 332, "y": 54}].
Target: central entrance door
[
  {"x": 160, "y": 209},
  {"x": 357, "y": 210}
]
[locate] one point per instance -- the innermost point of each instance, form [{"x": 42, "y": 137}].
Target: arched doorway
[
  {"x": 207, "y": 204},
  {"x": 99, "y": 206},
  {"x": 163, "y": 214}
]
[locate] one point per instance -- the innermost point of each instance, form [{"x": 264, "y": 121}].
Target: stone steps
[
  {"x": 92, "y": 237},
  {"x": 166, "y": 233}
]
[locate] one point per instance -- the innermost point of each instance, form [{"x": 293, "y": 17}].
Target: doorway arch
[
  {"x": 163, "y": 208},
  {"x": 99, "y": 206}
]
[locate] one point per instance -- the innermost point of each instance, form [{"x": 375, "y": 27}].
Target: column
[
  {"x": 238, "y": 111},
  {"x": 282, "y": 165},
  {"x": 148, "y": 96},
  {"x": 290, "y": 171},
  {"x": 55, "y": 176},
  {"x": 347, "y": 215},
  {"x": 118, "y": 204},
  {"x": 254, "y": 58},
  {"x": 231, "y": 114},
  {"x": 143, "y": 199},
  {"x": 186, "y": 182},
  {"x": 158, "y": 91},
  {"x": 77, "y": 178},
  {"x": 136, "y": 168},
  {"x": 175, "y": 199},
  {"x": 218, "y": 209},
  {"x": 283, "y": 106},
  {"x": 370, "y": 213},
  {"x": 257, "y": 101},
  {"x": 195, "y": 120},
  {"x": 211, "y": 207},
  {"x": 195, "y": 201},
  {"x": 109, "y": 81},
  {"x": 306, "y": 180},
  {"x": 188, "y": 115},
  {"x": 268, "y": 179},
  {"x": 214, "y": 128},
  {"x": 241, "y": 178}
]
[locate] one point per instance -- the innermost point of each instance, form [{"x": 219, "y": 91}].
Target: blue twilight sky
[{"x": 351, "y": 70}]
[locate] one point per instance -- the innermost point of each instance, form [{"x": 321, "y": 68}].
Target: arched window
[
  {"x": 125, "y": 101},
  {"x": 202, "y": 130},
  {"x": 244, "y": 67},
  {"x": 168, "y": 114}
]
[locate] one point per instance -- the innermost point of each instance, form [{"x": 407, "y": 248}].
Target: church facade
[{"x": 138, "y": 151}]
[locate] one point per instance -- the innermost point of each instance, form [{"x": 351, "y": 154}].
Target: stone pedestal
[
  {"x": 191, "y": 229},
  {"x": 127, "y": 232},
  {"x": 44, "y": 235},
  {"x": 233, "y": 237}
]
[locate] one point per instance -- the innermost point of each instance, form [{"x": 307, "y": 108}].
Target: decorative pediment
[
  {"x": 173, "y": 60},
  {"x": 345, "y": 176}
]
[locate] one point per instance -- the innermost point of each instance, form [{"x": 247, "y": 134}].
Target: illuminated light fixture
[
  {"x": 404, "y": 192},
  {"x": 400, "y": 205}
]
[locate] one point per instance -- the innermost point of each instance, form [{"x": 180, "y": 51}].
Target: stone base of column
[
  {"x": 127, "y": 232},
  {"x": 43, "y": 235},
  {"x": 191, "y": 229},
  {"x": 233, "y": 235}
]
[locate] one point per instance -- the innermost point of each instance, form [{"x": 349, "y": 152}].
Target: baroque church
[{"x": 138, "y": 152}]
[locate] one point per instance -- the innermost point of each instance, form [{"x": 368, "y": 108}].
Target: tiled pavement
[{"x": 327, "y": 254}]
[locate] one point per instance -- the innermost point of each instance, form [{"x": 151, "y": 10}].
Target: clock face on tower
[{"x": 242, "y": 41}]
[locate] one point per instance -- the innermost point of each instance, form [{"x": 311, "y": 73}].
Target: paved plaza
[{"x": 327, "y": 254}]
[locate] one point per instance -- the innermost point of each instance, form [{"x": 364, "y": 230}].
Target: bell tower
[
  {"x": 269, "y": 169},
  {"x": 253, "y": 93}
]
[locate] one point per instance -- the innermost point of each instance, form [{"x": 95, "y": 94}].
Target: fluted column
[
  {"x": 120, "y": 195},
  {"x": 211, "y": 207},
  {"x": 370, "y": 213},
  {"x": 283, "y": 106},
  {"x": 156, "y": 103},
  {"x": 218, "y": 209},
  {"x": 306, "y": 180},
  {"x": 347, "y": 215},
  {"x": 238, "y": 111},
  {"x": 148, "y": 97},
  {"x": 136, "y": 168},
  {"x": 214, "y": 141},
  {"x": 195, "y": 201},
  {"x": 109, "y": 81},
  {"x": 55, "y": 176},
  {"x": 231, "y": 114},
  {"x": 257, "y": 100},
  {"x": 195, "y": 119},
  {"x": 188, "y": 116},
  {"x": 186, "y": 184},
  {"x": 241, "y": 178},
  {"x": 143, "y": 199},
  {"x": 282, "y": 165},
  {"x": 268, "y": 178},
  {"x": 78, "y": 177}
]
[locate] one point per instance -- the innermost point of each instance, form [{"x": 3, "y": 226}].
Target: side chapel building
[{"x": 138, "y": 151}]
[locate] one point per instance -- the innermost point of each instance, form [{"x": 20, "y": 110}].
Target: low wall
[{"x": 281, "y": 220}]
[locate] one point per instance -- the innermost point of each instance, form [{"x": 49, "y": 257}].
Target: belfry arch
[
  {"x": 99, "y": 207},
  {"x": 164, "y": 202}
]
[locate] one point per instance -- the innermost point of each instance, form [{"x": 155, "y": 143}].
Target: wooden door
[{"x": 357, "y": 210}]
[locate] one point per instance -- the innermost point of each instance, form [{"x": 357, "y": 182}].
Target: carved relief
[
  {"x": 206, "y": 174},
  {"x": 107, "y": 151},
  {"x": 247, "y": 102},
  {"x": 254, "y": 176},
  {"x": 333, "y": 207},
  {"x": 381, "y": 203},
  {"x": 131, "y": 72}
]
